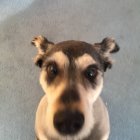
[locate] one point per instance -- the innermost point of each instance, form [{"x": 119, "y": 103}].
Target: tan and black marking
[{"x": 72, "y": 78}]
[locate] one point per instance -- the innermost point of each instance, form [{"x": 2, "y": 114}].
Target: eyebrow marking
[
  {"x": 84, "y": 61},
  {"x": 60, "y": 58},
  {"x": 49, "y": 62},
  {"x": 93, "y": 66}
]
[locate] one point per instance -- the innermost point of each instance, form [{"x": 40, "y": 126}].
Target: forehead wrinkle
[
  {"x": 60, "y": 58},
  {"x": 84, "y": 61}
]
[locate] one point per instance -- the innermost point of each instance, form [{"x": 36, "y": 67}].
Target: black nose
[{"x": 68, "y": 122}]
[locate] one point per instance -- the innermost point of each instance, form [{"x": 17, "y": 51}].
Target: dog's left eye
[
  {"x": 52, "y": 70},
  {"x": 90, "y": 73}
]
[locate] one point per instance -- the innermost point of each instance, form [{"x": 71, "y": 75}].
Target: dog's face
[{"x": 72, "y": 78}]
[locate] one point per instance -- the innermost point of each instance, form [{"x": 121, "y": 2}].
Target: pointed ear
[
  {"x": 42, "y": 44},
  {"x": 105, "y": 48},
  {"x": 108, "y": 45}
]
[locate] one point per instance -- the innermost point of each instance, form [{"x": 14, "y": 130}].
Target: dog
[{"x": 71, "y": 76}]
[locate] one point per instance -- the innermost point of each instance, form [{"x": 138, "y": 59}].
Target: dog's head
[{"x": 72, "y": 78}]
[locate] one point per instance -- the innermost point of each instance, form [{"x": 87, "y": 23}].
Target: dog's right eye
[
  {"x": 52, "y": 70},
  {"x": 91, "y": 73}
]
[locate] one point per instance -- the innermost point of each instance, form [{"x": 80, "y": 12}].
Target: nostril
[
  {"x": 60, "y": 125},
  {"x": 68, "y": 122},
  {"x": 77, "y": 125}
]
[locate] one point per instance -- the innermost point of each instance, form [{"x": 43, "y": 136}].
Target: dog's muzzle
[{"x": 68, "y": 122}]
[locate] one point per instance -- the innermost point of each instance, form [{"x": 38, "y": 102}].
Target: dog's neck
[{"x": 90, "y": 137}]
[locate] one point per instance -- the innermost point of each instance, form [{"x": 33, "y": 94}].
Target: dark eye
[
  {"x": 91, "y": 73},
  {"x": 52, "y": 70}
]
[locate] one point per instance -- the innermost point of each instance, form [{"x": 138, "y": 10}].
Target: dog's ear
[
  {"x": 105, "y": 48},
  {"x": 43, "y": 46}
]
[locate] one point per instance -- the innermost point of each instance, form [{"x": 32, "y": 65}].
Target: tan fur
[
  {"x": 83, "y": 61},
  {"x": 60, "y": 58}
]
